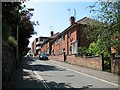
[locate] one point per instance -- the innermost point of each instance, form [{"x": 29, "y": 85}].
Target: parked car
[{"x": 43, "y": 56}]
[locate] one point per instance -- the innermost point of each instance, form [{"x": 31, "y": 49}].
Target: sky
[{"x": 54, "y": 16}]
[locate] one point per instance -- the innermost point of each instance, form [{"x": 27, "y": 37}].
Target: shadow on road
[
  {"x": 25, "y": 78},
  {"x": 41, "y": 67}
]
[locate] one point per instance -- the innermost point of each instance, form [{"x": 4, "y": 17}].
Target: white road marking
[
  {"x": 41, "y": 79},
  {"x": 87, "y": 75}
]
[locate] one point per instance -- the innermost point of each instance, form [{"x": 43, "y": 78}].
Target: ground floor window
[{"x": 74, "y": 47}]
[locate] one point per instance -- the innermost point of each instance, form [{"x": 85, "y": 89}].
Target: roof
[
  {"x": 52, "y": 37},
  {"x": 83, "y": 21},
  {"x": 87, "y": 21},
  {"x": 43, "y": 37}
]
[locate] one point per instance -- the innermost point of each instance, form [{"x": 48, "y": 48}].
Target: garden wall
[
  {"x": 8, "y": 64},
  {"x": 116, "y": 65},
  {"x": 90, "y": 62}
]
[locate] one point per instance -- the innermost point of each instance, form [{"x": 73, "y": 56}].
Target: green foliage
[
  {"x": 94, "y": 49},
  {"x": 11, "y": 41},
  {"x": 16, "y": 19},
  {"x": 5, "y": 32},
  {"x": 107, "y": 30},
  {"x": 83, "y": 51}
]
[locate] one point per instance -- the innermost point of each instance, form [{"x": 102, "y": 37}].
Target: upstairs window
[
  {"x": 56, "y": 42},
  {"x": 63, "y": 37},
  {"x": 69, "y": 33}
]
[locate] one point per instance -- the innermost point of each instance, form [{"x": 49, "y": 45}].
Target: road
[{"x": 54, "y": 74}]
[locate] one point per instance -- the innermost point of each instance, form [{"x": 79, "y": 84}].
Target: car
[{"x": 43, "y": 56}]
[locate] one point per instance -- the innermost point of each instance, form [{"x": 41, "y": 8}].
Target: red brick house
[
  {"x": 36, "y": 45},
  {"x": 71, "y": 38},
  {"x": 33, "y": 47},
  {"x": 46, "y": 46}
]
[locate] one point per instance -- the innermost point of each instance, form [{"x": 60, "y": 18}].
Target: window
[
  {"x": 63, "y": 37},
  {"x": 74, "y": 47},
  {"x": 69, "y": 33},
  {"x": 56, "y": 42}
]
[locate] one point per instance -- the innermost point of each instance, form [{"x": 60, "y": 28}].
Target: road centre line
[
  {"x": 87, "y": 75},
  {"x": 41, "y": 79}
]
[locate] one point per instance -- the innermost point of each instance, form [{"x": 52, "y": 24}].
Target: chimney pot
[
  {"x": 72, "y": 20},
  {"x": 52, "y": 33}
]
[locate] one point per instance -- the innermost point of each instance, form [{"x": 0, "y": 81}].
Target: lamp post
[{"x": 17, "y": 55}]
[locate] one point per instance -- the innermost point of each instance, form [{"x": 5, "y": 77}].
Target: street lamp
[{"x": 17, "y": 55}]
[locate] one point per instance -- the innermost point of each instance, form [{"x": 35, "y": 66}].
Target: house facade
[
  {"x": 33, "y": 47},
  {"x": 47, "y": 45},
  {"x": 40, "y": 41},
  {"x": 36, "y": 45},
  {"x": 70, "y": 39}
]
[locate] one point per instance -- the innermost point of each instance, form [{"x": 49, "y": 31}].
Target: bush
[
  {"x": 94, "y": 49},
  {"x": 5, "y": 31},
  {"x": 83, "y": 51},
  {"x": 11, "y": 41}
]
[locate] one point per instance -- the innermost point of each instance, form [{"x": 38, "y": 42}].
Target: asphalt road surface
[{"x": 54, "y": 74}]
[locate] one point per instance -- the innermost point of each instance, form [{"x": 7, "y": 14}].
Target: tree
[
  {"x": 107, "y": 30},
  {"x": 16, "y": 16}
]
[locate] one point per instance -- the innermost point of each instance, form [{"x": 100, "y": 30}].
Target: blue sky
[{"x": 56, "y": 14}]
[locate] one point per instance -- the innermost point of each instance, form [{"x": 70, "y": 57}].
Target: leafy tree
[
  {"x": 107, "y": 29},
  {"x": 82, "y": 50},
  {"x": 94, "y": 48},
  {"x": 16, "y": 17},
  {"x": 10, "y": 17}
]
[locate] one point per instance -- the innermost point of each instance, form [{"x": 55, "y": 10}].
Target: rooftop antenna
[
  {"x": 69, "y": 12},
  {"x": 51, "y": 28},
  {"x": 74, "y": 13}
]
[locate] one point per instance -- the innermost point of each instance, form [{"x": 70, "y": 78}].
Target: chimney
[
  {"x": 72, "y": 20},
  {"x": 52, "y": 33}
]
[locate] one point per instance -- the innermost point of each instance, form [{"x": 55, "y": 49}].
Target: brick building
[
  {"x": 71, "y": 38},
  {"x": 36, "y": 45},
  {"x": 47, "y": 45}
]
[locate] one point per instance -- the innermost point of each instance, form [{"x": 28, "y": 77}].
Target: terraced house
[
  {"x": 69, "y": 40},
  {"x": 47, "y": 45},
  {"x": 36, "y": 45}
]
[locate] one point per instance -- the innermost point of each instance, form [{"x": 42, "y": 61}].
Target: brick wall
[
  {"x": 58, "y": 57},
  {"x": 116, "y": 66},
  {"x": 45, "y": 48},
  {"x": 81, "y": 37},
  {"x": 8, "y": 64},
  {"x": 93, "y": 62}
]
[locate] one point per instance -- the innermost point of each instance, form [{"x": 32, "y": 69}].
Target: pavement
[{"x": 25, "y": 78}]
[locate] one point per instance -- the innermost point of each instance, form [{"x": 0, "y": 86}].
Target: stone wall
[
  {"x": 116, "y": 65},
  {"x": 8, "y": 63},
  {"x": 90, "y": 62}
]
